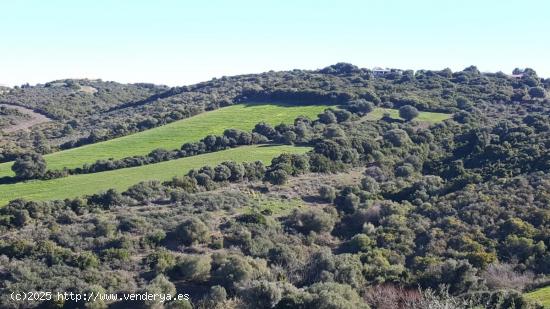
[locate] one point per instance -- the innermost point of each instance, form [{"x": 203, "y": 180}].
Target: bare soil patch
[{"x": 34, "y": 119}]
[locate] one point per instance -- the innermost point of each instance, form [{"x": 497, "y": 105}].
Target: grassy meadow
[
  {"x": 173, "y": 135},
  {"x": 84, "y": 184},
  {"x": 429, "y": 117},
  {"x": 541, "y": 295}
]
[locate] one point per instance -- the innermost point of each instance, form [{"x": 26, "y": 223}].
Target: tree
[
  {"x": 222, "y": 173},
  {"x": 408, "y": 112},
  {"x": 289, "y": 137},
  {"x": 537, "y": 92},
  {"x": 342, "y": 115},
  {"x": 254, "y": 170},
  {"x": 397, "y": 137},
  {"x": 277, "y": 177},
  {"x": 360, "y": 106},
  {"x": 265, "y": 130},
  {"x": 107, "y": 199},
  {"x": 341, "y": 68},
  {"x": 29, "y": 166},
  {"x": 327, "y": 117},
  {"x": 237, "y": 170}
]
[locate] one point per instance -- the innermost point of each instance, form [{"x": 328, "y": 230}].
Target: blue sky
[{"x": 183, "y": 42}]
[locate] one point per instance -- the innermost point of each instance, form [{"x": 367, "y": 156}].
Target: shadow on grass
[
  {"x": 286, "y": 104},
  {"x": 6, "y": 180},
  {"x": 279, "y": 144},
  {"x": 313, "y": 199},
  {"x": 392, "y": 120},
  {"x": 270, "y": 145}
]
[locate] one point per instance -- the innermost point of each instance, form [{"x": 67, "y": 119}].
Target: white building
[{"x": 380, "y": 72}]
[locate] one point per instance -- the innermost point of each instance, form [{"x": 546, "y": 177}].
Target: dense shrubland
[{"x": 449, "y": 215}]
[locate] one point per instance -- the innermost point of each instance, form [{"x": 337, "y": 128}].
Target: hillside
[
  {"x": 80, "y": 185},
  {"x": 398, "y": 189},
  {"x": 118, "y": 109},
  {"x": 174, "y": 135}
]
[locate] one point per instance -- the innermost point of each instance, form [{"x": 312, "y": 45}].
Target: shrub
[
  {"x": 192, "y": 231},
  {"x": 144, "y": 191},
  {"x": 192, "y": 268},
  {"x": 160, "y": 261},
  {"x": 254, "y": 218},
  {"x": 87, "y": 260},
  {"x": 335, "y": 296},
  {"x": 463, "y": 103},
  {"x": 159, "y": 285},
  {"x": 347, "y": 202},
  {"x": 404, "y": 170},
  {"x": 215, "y": 297},
  {"x": 459, "y": 276},
  {"x": 260, "y": 293},
  {"x": 370, "y": 185},
  {"x": 104, "y": 228},
  {"x": 188, "y": 184},
  {"x": 503, "y": 276},
  {"x": 116, "y": 254},
  {"x": 230, "y": 270},
  {"x": 205, "y": 180},
  {"x": 311, "y": 220},
  {"x": 360, "y": 243},
  {"x": 254, "y": 170},
  {"x": 327, "y": 193}
]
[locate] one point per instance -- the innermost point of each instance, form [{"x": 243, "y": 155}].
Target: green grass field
[
  {"x": 541, "y": 295},
  {"x": 430, "y": 117},
  {"x": 84, "y": 184},
  {"x": 173, "y": 135}
]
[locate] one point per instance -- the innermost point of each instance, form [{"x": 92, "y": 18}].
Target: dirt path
[{"x": 35, "y": 119}]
